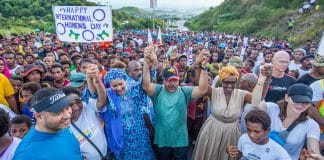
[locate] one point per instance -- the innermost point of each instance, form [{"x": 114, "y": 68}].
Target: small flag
[
  {"x": 153, "y": 4},
  {"x": 320, "y": 50},
  {"x": 149, "y": 37},
  {"x": 159, "y": 36}
]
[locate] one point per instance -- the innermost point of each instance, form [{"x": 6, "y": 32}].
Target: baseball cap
[
  {"x": 77, "y": 80},
  {"x": 235, "y": 62},
  {"x": 307, "y": 57},
  {"x": 54, "y": 102},
  {"x": 125, "y": 54},
  {"x": 170, "y": 73},
  {"x": 30, "y": 68},
  {"x": 300, "y": 93},
  {"x": 182, "y": 56},
  {"x": 318, "y": 61}
]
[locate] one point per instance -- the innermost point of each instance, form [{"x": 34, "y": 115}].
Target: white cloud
[{"x": 175, "y": 4}]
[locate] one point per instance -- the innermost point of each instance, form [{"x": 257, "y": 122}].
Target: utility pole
[{"x": 153, "y": 18}]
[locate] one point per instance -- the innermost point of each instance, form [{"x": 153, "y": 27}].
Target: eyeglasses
[{"x": 283, "y": 62}]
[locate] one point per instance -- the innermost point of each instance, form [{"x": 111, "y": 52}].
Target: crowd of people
[{"x": 175, "y": 96}]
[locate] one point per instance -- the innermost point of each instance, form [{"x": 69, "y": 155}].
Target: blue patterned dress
[
  {"x": 125, "y": 127},
  {"x": 136, "y": 142}
]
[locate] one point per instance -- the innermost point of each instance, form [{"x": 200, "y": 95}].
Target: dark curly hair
[
  {"x": 258, "y": 116},
  {"x": 4, "y": 122}
]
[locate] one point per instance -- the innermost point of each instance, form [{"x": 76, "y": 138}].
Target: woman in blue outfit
[{"x": 128, "y": 137}]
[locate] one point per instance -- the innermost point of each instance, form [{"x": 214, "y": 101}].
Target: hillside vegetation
[
  {"x": 22, "y": 16},
  {"x": 262, "y": 18}
]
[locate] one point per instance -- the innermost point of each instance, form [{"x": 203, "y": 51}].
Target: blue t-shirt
[
  {"x": 26, "y": 111},
  {"x": 38, "y": 145}
]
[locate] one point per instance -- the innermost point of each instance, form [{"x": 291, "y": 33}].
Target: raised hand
[
  {"x": 266, "y": 71},
  {"x": 174, "y": 53},
  {"x": 92, "y": 71},
  {"x": 203, "y": 56}
]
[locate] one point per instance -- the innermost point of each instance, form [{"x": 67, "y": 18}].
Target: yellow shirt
[{"x": 6, "y": 89}]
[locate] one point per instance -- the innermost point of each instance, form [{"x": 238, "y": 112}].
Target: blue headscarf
[
  {"x": 114, "y": 74},
  {"x": 113, "y": 122},
  {"x": 112, "y": 117}
]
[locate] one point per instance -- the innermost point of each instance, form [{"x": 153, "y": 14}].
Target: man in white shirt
[{"x": 298, "y": 55}]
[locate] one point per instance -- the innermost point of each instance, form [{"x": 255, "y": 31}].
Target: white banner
[{"x": 83, "y": 23}]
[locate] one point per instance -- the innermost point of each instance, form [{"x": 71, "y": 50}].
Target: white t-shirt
[
  {"x": 9, "y": 153},
  {"x": 318, "y": 90},
  {"x": 302, "y": 72},
  {"x": 247, "y": 109},
  {"x": 13, "y": 71},
  {"x": 293, "y": 65},
  {"x": 297, "y": 137},
  {"x": 89, "y": 123},
  {"x": 268, "y": 151},
  {"x": 9, "y": 111}
]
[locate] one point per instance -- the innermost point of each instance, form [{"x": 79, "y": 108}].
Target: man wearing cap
[
  {"x": 306, "y": 65},
  {"x": 50, "y": 138},
  {"x": 34, "y": 74},
  {"x": 78, "y": 81},
  {"x": 170, "y": 102},
  {"x": 126, "y": 57},
  {"x": 316, "y": 73}
]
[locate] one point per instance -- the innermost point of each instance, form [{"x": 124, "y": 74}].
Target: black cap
[
  {"x": 300, "y": 93},
  {"x": 307, "y": 57},
  {"x": 170, "y": 72},
  {"x": 55, "y": 102},
  {"x": 182, "y": 56}
]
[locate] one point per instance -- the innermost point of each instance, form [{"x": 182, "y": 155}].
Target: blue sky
[{"x": 174, "y": 4}]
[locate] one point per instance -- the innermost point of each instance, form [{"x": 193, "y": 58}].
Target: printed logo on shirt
[
  {"x": 88, "y": 132},
  {"x": 277, "y": 88}
]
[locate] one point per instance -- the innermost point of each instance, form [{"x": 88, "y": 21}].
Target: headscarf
[
  {"x": 112, "y": 116},
  {"x": 6, "y": 70},
  {"x": 114, "y": 74},
  {"x": 227, "y": 71},
  {"x": 113, "y": 122}
]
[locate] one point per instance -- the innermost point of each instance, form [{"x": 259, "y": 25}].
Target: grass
[{"x": 18, "y": 30}]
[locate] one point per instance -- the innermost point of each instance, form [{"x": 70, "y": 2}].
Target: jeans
[{"x": 167, "y": 153}]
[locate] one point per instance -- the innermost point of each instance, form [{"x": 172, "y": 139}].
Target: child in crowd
[
  {"x": 255, "y": 144},
  {"x": 27, "y": 91},
  {"x": 20, "y": 125}
]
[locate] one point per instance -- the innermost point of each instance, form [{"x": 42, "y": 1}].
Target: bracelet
[
  {"x": 195, "y": 66},
  {"x": 267, "y": 82},
  {"x": 204, "y": 68}
]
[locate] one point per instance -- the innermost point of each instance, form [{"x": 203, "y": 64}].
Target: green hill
[
  {"x": 22, "y": 16},
  {"x": 262, "y": 18},
  {"x": 135, "y": 12}
]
